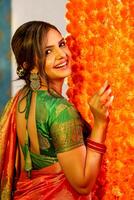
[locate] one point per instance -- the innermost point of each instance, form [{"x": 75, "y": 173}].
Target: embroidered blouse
[{"x": 60, "y": 128}]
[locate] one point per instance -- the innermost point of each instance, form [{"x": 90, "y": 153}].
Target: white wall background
[{"x": 52, "y": 11}]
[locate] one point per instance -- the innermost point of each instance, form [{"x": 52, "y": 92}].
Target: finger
[
  {"x": 107, "y": 114},
  {"x": 109, "y": 102},
  {"x": 103, "y": 88},
  {"x": 105, "y": 96},
  {"x": 93, "y": 99},
  {"x": 105, "y": 111}
]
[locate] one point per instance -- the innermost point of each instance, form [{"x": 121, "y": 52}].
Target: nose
[{"x": 60, "y": 53}]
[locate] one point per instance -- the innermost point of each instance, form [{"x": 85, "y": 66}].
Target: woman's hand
[
  {"x": 86, "y": 162},
  {"x": 100, "y": 104}
]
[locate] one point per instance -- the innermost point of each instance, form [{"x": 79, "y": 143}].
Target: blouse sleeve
[{"x": 66, "y": 129}]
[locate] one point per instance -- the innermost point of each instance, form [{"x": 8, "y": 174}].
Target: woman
[{"x": 43, "y": 137}]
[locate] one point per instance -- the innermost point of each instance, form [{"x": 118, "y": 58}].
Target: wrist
[
  {"x": 99, "y": 132},
  {"x": 96, "y": 146},
  {"x": 101, "y": 124}
]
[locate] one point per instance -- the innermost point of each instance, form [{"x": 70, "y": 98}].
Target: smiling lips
[{"x": 62, "y": 65}]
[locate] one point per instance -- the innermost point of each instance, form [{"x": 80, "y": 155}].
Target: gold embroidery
[
  {"x": 43, "y": 142},
  {"x": 60, "y": 108},
  {"x": 67, "y": 135}
]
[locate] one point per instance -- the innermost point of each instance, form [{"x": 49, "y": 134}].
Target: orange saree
[
  {"x": 45, "y": 184},
  {"x": 7, "y": 148}
]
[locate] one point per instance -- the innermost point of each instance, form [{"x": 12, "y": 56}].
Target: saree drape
[
  {"x": 7, "y": 148},
  {"x": 45, "y": 184}
]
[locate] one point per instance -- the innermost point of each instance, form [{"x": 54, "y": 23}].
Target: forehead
[{"x": 53, "y": 37}]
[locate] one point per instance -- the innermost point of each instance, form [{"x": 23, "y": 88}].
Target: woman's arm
[{"x": 81, "y": 165}]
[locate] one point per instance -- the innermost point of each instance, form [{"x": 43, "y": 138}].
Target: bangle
[{"x": 98, "y": 147}]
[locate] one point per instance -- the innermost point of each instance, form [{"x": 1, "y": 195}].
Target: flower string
[{"x": 102, "y": 43}]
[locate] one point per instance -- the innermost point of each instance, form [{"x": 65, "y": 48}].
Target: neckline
[{"x": 52, "y": 92}]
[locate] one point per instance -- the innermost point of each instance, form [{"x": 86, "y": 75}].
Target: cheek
[
  {"x": 49, "y": 67},
  {"x": 69, "y": 55},
  {"x": 68, "y": 52},
  {"x": 49, "y": 63}
]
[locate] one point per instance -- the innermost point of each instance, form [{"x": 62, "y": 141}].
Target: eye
[
  {"x": 62, "y": 44},
  {"x": 48, "y": 51}
]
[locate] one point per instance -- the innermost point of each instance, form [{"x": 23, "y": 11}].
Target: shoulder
[
  {"x": 62, "y": 105},
  {"x": 64, "y": 111},
  {"x": 57, "y": 107},
  {"x": 55, "y": 102}
]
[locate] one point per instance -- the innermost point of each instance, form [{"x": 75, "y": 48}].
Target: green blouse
[{"x": 59, "y": 127}]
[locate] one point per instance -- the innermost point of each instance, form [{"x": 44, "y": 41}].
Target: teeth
[{"x": 61, "y": 65}]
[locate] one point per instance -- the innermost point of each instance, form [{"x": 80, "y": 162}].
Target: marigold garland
[{"x": 102, "y": 43}]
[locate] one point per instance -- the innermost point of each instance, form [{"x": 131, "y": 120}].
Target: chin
[{"x": 65, "y": 72}]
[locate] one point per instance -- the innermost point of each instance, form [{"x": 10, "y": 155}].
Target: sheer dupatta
[{"x": 8, "y": 148}]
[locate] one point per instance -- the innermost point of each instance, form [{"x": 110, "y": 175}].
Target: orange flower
[{"x": 102, "y": 48}]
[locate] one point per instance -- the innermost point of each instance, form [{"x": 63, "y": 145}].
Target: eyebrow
[{"x": 63, "y": 39}]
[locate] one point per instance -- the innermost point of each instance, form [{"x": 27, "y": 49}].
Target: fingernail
[
  {"x": 109, "y": 90},
  {"x": 112, "y": 98}
]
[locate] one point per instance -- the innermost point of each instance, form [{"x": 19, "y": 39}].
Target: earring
[
  {"x": 20, "y": 71},
  {"x": 35, "y": 81}
]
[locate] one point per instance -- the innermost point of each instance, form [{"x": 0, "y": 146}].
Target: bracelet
[{"x": 96, "y": 146}]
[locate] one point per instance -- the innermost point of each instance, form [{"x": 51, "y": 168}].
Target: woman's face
[{"x": 58, "y": 56}]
